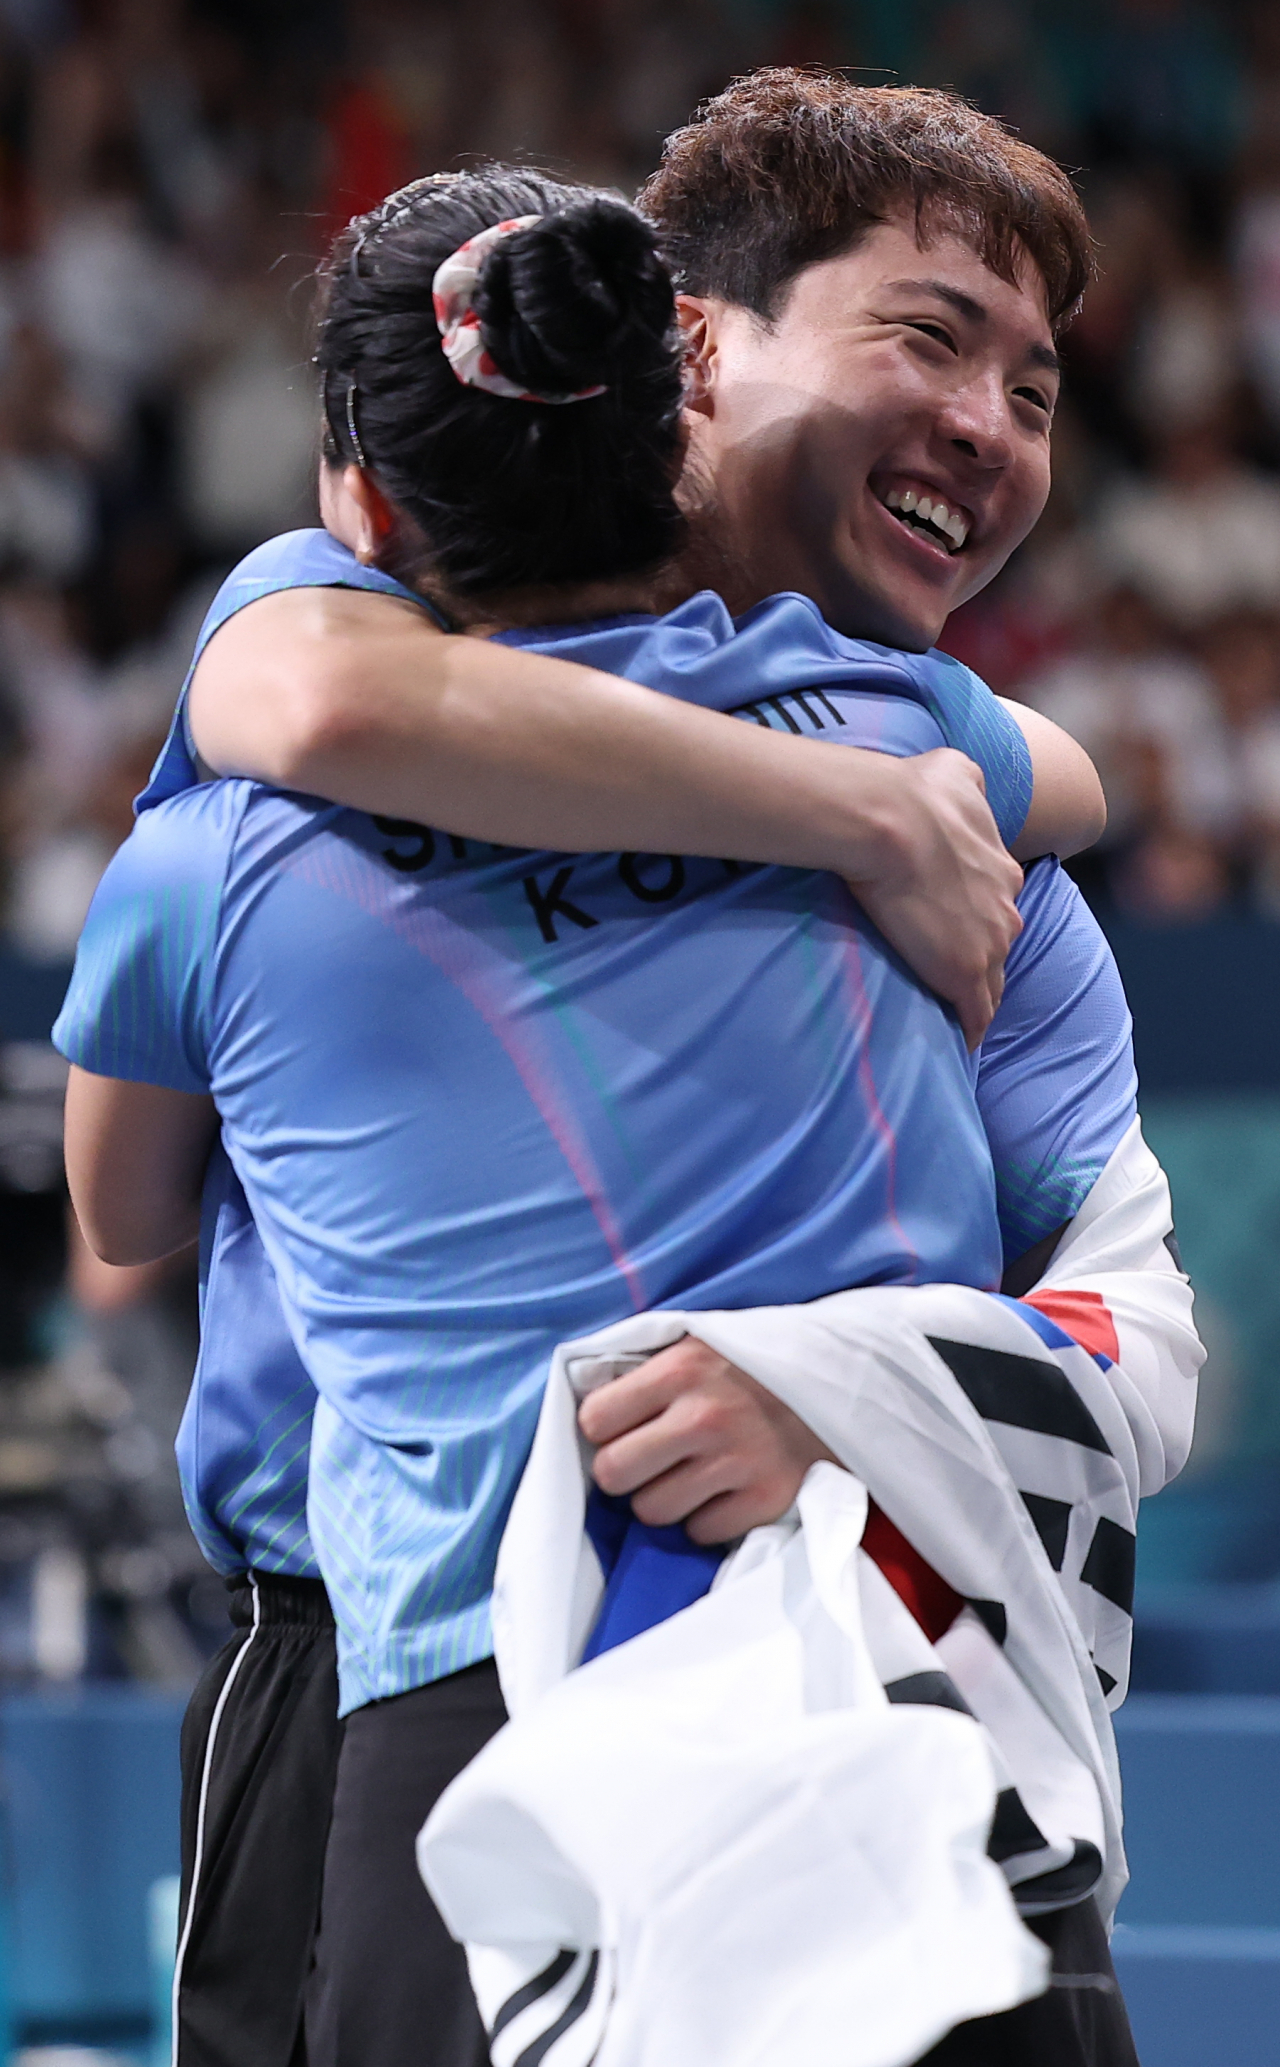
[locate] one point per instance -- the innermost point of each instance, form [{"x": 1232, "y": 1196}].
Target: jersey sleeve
[
  {"x": 1057, "y": 1088},
  {"x": 295, "y": 560},
  {"x": 974, "y": 720},
  {"x": 139, "y": 1000}
]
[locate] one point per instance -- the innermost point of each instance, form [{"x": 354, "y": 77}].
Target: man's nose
[{"x": 976, "y": 421}]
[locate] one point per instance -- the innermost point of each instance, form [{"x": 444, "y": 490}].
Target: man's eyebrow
[
  {"x": 963, "y": 304},
  {"x": 973, "y": 312},
  {"x": 1044, "y": 355}
]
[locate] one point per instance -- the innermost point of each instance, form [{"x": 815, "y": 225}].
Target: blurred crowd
[{"x": 170, "y": 171}]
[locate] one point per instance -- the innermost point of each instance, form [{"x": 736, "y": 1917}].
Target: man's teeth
[{"x": 931, "y": 511}]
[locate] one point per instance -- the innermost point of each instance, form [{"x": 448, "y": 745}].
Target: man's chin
[{"x": 887, "y": 620}]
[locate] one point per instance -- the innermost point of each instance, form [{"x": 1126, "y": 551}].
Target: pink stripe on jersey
[{"x": 456, "y": 952}]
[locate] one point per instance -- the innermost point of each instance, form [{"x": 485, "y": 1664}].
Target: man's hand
[
  {"x": 695, "y": 1440},
  {"x": 945, "y": 894}
]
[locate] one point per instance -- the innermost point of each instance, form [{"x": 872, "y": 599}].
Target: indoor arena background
[{"x": 168, "y": 175}]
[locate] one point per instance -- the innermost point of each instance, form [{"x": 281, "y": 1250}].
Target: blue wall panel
[{"x": 90, "y": 1790}]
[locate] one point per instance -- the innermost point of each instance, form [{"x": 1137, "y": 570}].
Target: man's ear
[{"x": 698, "y": 322}]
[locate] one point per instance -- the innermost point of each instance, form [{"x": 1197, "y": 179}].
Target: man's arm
[
  {"x": 1068, "y": 809},
  {"x": 357, "y": 697},
  {"x": 136, "y": 1156}
]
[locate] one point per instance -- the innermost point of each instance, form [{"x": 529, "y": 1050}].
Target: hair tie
[{"x": 464, "y": 348}]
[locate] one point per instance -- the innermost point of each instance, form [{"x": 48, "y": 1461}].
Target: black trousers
[
  {"x": 1080, "y": 2022},
  {"x": 297, "y": 1821},
  {"x": 389, "y": 1987},
  {"x": 259, "y": 1752}
]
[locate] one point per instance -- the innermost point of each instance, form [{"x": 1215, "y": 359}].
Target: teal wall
[
  {"x": 1221, "y": 1520},
  {"x": 1222, "y": 1154}
]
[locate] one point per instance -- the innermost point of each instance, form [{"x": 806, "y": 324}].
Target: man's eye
[
  {"x": 936, "y": 332},
  {"x": 1034, "y": 395}
]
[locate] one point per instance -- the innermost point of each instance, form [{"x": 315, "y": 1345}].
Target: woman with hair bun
[
  {"x": 459, "y": 296},
  {"x": 484, "y": 1099}
]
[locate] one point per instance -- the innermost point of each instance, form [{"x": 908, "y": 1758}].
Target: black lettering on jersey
[
  {"x": 405, "y": 829},
  {"x": 753, "y": 710},
  {"x": 458, "y": 846},
  {"x": 546, "y": 903},
  {"x": 652, "y": 893}
]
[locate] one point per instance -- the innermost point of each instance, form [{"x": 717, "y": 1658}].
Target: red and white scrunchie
[{"x": 464, "y": 348}]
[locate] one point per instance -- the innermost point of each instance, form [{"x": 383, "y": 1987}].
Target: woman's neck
[{"x": 552, "y": 603}]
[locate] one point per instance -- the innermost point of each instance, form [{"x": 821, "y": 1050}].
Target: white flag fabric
[{"x": 783, "y": 1825}]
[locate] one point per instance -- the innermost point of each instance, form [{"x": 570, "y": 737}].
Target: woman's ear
[
  {"x": 355, "y": 511},
  {"x": 375, "y": 519}
]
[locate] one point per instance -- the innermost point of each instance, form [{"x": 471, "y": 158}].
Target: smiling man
[
  {"x": 882, "y": 436},
  {"x": 872, "y": 279}
]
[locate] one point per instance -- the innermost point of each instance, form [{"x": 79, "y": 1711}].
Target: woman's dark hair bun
[
  {"x": 501, "y": 492},
  {"x": 577, "y": 300}
]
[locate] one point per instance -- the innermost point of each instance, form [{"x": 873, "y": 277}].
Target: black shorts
[
  {"x": 299, "y": 1832},
  {"x": 259, "y": 1753},
  {"x": 389, "y": 1986},
  {"x": 1080, "y": 2022}
]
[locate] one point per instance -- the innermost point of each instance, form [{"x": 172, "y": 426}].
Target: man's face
[{"x": 895, "y": 377}]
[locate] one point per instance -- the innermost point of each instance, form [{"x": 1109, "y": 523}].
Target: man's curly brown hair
[{"x": 788, "y": 167}]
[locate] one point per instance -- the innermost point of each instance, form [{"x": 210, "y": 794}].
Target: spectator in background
[
  {"x": 1145, "y": 712},
  {"x": 1256, "y": 253},
  {"x": 56, "y": 862},
  {"x": 1172, "y": 875},
  {"x": 1241, "y": 655},
  {"x": 46, "y": 452},
  {"x": 120, "y": 303},
  {"x": 246, "y": 433},
  {"x": 1200, "y": 538},
  {"x": 1126, "y": 215},
  {"x": 1184, "y": 360}
]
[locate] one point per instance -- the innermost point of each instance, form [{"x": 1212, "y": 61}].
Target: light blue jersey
[{"x": 650, "y": 1082}]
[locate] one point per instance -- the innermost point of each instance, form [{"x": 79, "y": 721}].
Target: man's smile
[{"x": 923, "y": 509}]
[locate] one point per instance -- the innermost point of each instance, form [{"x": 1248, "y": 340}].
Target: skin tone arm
[
  {"x": 357, "y": 697},
  {"x": 1068, "y": 810},
  {"x": 135, "y": 1157}
]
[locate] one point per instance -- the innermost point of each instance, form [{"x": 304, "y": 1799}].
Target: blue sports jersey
[
  {"x": 244, "y": 1442},
  {"x": 1053, "y": 1164},
  {"x": 246, "y": 1501}
]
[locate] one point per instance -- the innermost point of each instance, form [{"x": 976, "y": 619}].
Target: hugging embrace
[{"x": 562, "y": 1054}]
